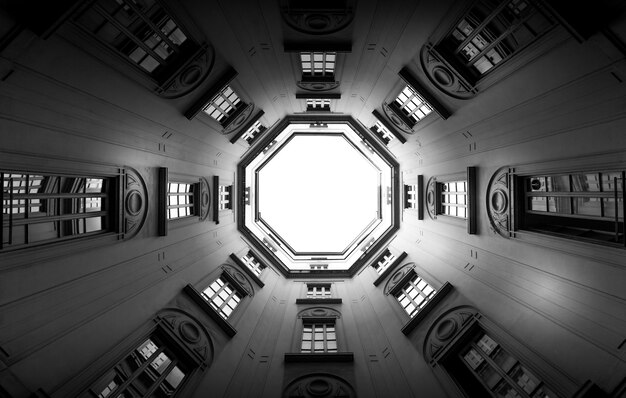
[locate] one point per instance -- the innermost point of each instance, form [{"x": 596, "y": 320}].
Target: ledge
[
  {"x": 247, "y": 270},
  {"x": 196, "y": 296},
  {"x": 389, "y": 269},
  {"x": 309, "y": 300},
  {"x": 295, "y": 357},
  {"x": 432, "y": 303}
]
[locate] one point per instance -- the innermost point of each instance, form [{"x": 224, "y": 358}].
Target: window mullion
[
  {"x": 128, "y": 34},
  {"x": 158, "y": 382},
  {"x": 138, "y": 371},
  {"x": 155, "y": 28}
]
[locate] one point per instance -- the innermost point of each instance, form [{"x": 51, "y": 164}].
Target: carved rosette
[
  {"x": 205, "y": 198},
  {"x": 316, "y": 21},
  {"x": 396, "y": 120},
  {"x": 191, "y": 75},
  {"x": 189, "y": 332},
  {"x": 445, "y": 328},
  {"x": 319, "y": 385},
  {"x": 441, "y": 75},
  {"x": 397, "y": 276},
  {"x": 240, "y": 278},
  {"x": 319, "y": 312},
  {"x": 431, "y": 197},
  {"x": 135, "y": 202},
  {"x": 498, "y": 202},
  {"x": 240, "y": 120},
  {"x": 318, "y": 86}
]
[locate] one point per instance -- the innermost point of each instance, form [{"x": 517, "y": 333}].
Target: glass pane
[
  {"x": 175, "y": 377},
  {"x": 525, "y": 379},
  {"x": 558, "y": 183},
  {"x": 609, "y": 208},
  {"x": 504, "y": 360},
  {"x": 489, "y": 375},
  {"x": 608, "y": 182},
  {"x": 586, "y": 182},
  {"x": 559, "y": 205},
  {"x": 505, "y": 390},
  {"x": 588, "y": 206}
]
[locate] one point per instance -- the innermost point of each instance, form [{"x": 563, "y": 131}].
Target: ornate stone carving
[
  {"x": 441, "y": 75},
  {"x": 135, "y": 202},
  {"x": 319, "y": 312},
  {"x": 319, "y": 385},
  {"x": 445, "y": 328},
  {"x": 397, "y": 276},
  {"x": 205, "y": 198},
  {"x": 191, "y": 75},
  {"x": 240, "y": 120},
  {"x": 317, "y": 21},
  {"x": 240, "y": 278},
  {"x": 431, "y": 197},
  {"x": 499, "y": 202},
  {"x": 189, "y": 332},
  {"x": 317, "y": 86},
  {"x": 395, "y": 119}
]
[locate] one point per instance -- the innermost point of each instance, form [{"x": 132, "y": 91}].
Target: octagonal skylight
[{"x": 318, "y": 195}]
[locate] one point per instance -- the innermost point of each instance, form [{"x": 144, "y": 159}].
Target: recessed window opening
[
  {"x": 319, "y": 337},
  {"x": 385, "y": 262},
  {"x": 414, "y": 295},
  {"x": 453, "y": 198},
  {"x": 251, "y": 262},
  {"x": 225, "y": 200},
  {"x": 142, "y": 32},
  {"x": 410, "y": 196},
  {"x": 223, "y": 297},
  {"x": 318, "y": 104},
  {"x": 318, "y": 64},
  {"x": 38, "y": 208},
  {"x": 383, "y": 132},
  {"x": 223, "y": 104},
  {"x": 252, "y": 132},
  {"x": 179, "y": 200},
  {"x": 412, "y": 104},
  {"x": 318, "y": 290}
]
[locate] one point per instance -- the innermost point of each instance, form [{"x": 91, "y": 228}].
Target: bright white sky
[{"x": 318, "y": 193}]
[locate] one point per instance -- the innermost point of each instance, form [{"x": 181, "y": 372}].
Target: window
[
  {"x": 43, "y": 208},
  {"x": 142, "y": 32},
  {"x": 383, "y": 132},
  {"x": 410, "y": 196},
  {"x": 225, "y": 192},
  {"x": 254, "y": 130},
  {"x": 387, "y": 259},
  {"x": 223, "y": 296},
  {"x": 414, "y": 295},
  {"x": 584, "y": 205},
  {"x": 318, "y": 64},
  {"x": 411, "y": 106},
  {"x": 319, "y": 266},
  {"x": 500, "y": 373},
  {"x": 224, "y": 105},
  {"x": 319, "y": 337},
  {"x": 490, "y": 33},
  {"x": 151, "y": 369},
  {"x": 252, "y": 263},
  {"x": 453, "y": 198},
  {"x": 319, "y": 291},
  {"x": 180, "y": 200},
  {"x": 314, "y": 104}
]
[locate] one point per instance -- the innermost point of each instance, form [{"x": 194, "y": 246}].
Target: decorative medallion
[
  {"x": 445, "y": 328},
  {"x": 498, "y": 202},
  {"x": 397, "y": 277},
  {"x": 441, "y": 75},
  {"x": 239, "y": 120},
  {"x": 205, "y": 198},
  {"x": 431, "y": 197},
  {"x": 135, "y": 202},
  {"x": 240, "y": 278},
  {"x": 396, "y": 120},
  {"x": 317, "y": 86},
  {"x": 313, "y": 21},
  {"x": 319, "y": 385},
  {"x": 319, "y": 312},
  {"x": 189, "y": 332},
  {"x": 190, "y": 75}
]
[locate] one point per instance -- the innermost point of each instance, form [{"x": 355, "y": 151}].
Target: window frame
[
  {"x": 318, "y": 104},
  {"x": 330, "y": 295},
  {"x": 434, "y": 198}
]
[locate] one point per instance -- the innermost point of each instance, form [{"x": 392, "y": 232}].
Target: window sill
[
  {"x": 299, "y": 357},
  {"x": 196, "y": 296},
  {"x": 430, "y": 305},
  {"x": 310, "y": 300}
]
